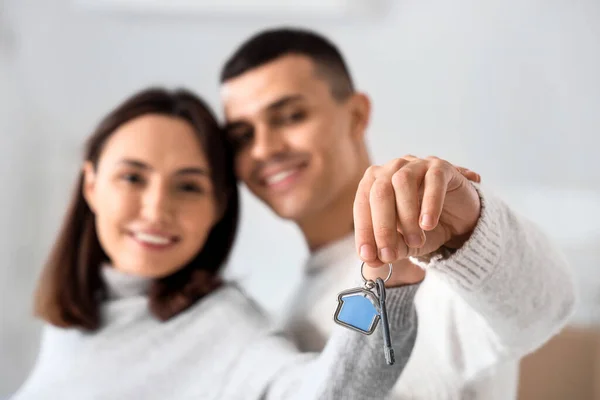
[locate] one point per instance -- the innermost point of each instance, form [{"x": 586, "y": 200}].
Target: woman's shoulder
[{"x": 232, "y": 302}]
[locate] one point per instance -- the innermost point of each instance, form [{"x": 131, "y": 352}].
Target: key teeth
[{"x": 389, "y": 356}]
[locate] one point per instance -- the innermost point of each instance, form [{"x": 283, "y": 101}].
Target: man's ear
[
  {"x": 360, "y": 109},
  {"x": 89, "y": 184}
]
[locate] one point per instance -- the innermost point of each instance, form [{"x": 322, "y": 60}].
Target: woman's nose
[{"x": 157, "y": 205}]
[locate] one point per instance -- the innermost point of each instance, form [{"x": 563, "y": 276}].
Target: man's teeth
[
  {"x": 152, "y": 239},
  {"x": 278, "y": 177}
]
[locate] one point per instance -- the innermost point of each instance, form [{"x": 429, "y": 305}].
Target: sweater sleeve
[
  {"x": 351, "y": 366},
  {"x": 512, "y": 275}
]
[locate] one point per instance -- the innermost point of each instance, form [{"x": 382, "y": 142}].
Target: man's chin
[
  {"x": 287, "y": 214},
  {"x": 290, "y": 206},
  {"x": 291, "y": 212}
]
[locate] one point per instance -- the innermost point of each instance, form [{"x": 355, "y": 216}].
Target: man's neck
[
  {"x": 332, "y": 223},
  {"x": 327, "y": 227},
  {"x": 335, "y": 221}
]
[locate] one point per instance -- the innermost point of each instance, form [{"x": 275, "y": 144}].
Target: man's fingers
[
  {"x": 395, "y": 203},
  {"x": 406, "y": 183},
  {"x": 470, "y": 175},
  {"x": 383, "y": 212},
  {"x": 410, "y": 157},
  {"x": 363, "y": 223},
  {"x": 434, "y": 193}
]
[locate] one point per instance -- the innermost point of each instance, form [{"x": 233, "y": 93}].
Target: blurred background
[{"x": 508, "y": 88}]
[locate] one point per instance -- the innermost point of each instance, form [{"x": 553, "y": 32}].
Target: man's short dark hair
[{"x": 268, "y": 45}]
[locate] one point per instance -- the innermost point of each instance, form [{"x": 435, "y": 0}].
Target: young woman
[{"x": 131, "y": 293}]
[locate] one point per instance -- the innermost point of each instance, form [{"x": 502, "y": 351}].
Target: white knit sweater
[
  {"x": 499, "y": 297},
  {"x": 221, "y": 348}
]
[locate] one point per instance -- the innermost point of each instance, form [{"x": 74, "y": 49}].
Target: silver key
[
  {"x": 361, "y": 309},
  {"x": 385, "y": 327}
]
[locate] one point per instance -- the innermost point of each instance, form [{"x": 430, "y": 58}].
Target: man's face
[{"x": 297, "y": 147}]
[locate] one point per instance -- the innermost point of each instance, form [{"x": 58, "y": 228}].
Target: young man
[{"x": 494, "y": 288}]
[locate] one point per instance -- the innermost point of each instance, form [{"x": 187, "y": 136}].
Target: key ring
[{"x": 368, "y": 280}]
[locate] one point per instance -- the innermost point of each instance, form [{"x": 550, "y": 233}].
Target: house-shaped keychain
[{"x": 358, "y": 310}]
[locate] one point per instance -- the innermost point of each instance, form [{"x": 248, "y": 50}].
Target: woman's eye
[
  {"x": 132, "y": 178},
  {"x": 191, "y": 187}
]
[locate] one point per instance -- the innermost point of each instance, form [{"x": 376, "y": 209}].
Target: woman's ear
[
  {"x": 360, "y": 108},
  {"x": 89, "y": 184}
]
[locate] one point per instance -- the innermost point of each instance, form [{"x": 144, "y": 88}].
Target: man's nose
[{"x": 267, "y": 142}]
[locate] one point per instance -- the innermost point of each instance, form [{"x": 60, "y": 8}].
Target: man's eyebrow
[
  {"x": 283, "y": 101},
  {"x": 273, "y": 106}
]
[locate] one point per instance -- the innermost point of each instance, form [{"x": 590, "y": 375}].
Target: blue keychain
[{"x": 361, "y": 309}]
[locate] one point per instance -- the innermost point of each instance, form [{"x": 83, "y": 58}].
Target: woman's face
[{"x": 152, "y": 196}]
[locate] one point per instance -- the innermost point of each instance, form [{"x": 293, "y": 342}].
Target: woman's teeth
[{"x": 152, "y": 239}]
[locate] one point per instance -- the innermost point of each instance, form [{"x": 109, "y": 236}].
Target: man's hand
[{"x": 413, "y": 206}]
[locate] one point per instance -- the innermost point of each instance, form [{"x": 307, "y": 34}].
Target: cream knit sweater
[{"x": 481, "y": 309}]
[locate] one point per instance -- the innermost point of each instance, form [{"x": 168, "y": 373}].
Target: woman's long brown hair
[{"x": 71, "y": 289}]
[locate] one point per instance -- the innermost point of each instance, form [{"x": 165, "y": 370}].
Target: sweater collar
[
  {"x": 123, "y": 285},
  {"x": 330, "y": 253}
]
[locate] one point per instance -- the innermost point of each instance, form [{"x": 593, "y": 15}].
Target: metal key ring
[{"x": 367, "y": 280}]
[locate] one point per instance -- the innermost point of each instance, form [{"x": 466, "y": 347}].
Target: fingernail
[
  {"x": 367, "y": 252},
  {"x": 414, "y": 240},
  {"x": 387, "y": 254},
  {"x": 427, "y": 220}
]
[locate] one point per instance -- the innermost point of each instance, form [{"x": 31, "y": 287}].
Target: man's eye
[
  {"x": 241, "y": 139},
  {"x": 297, "y": 116},
  {"x": 290, "y": 118}
]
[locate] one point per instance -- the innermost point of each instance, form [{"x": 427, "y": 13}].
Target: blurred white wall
[{"x": 509, "y": 88}]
